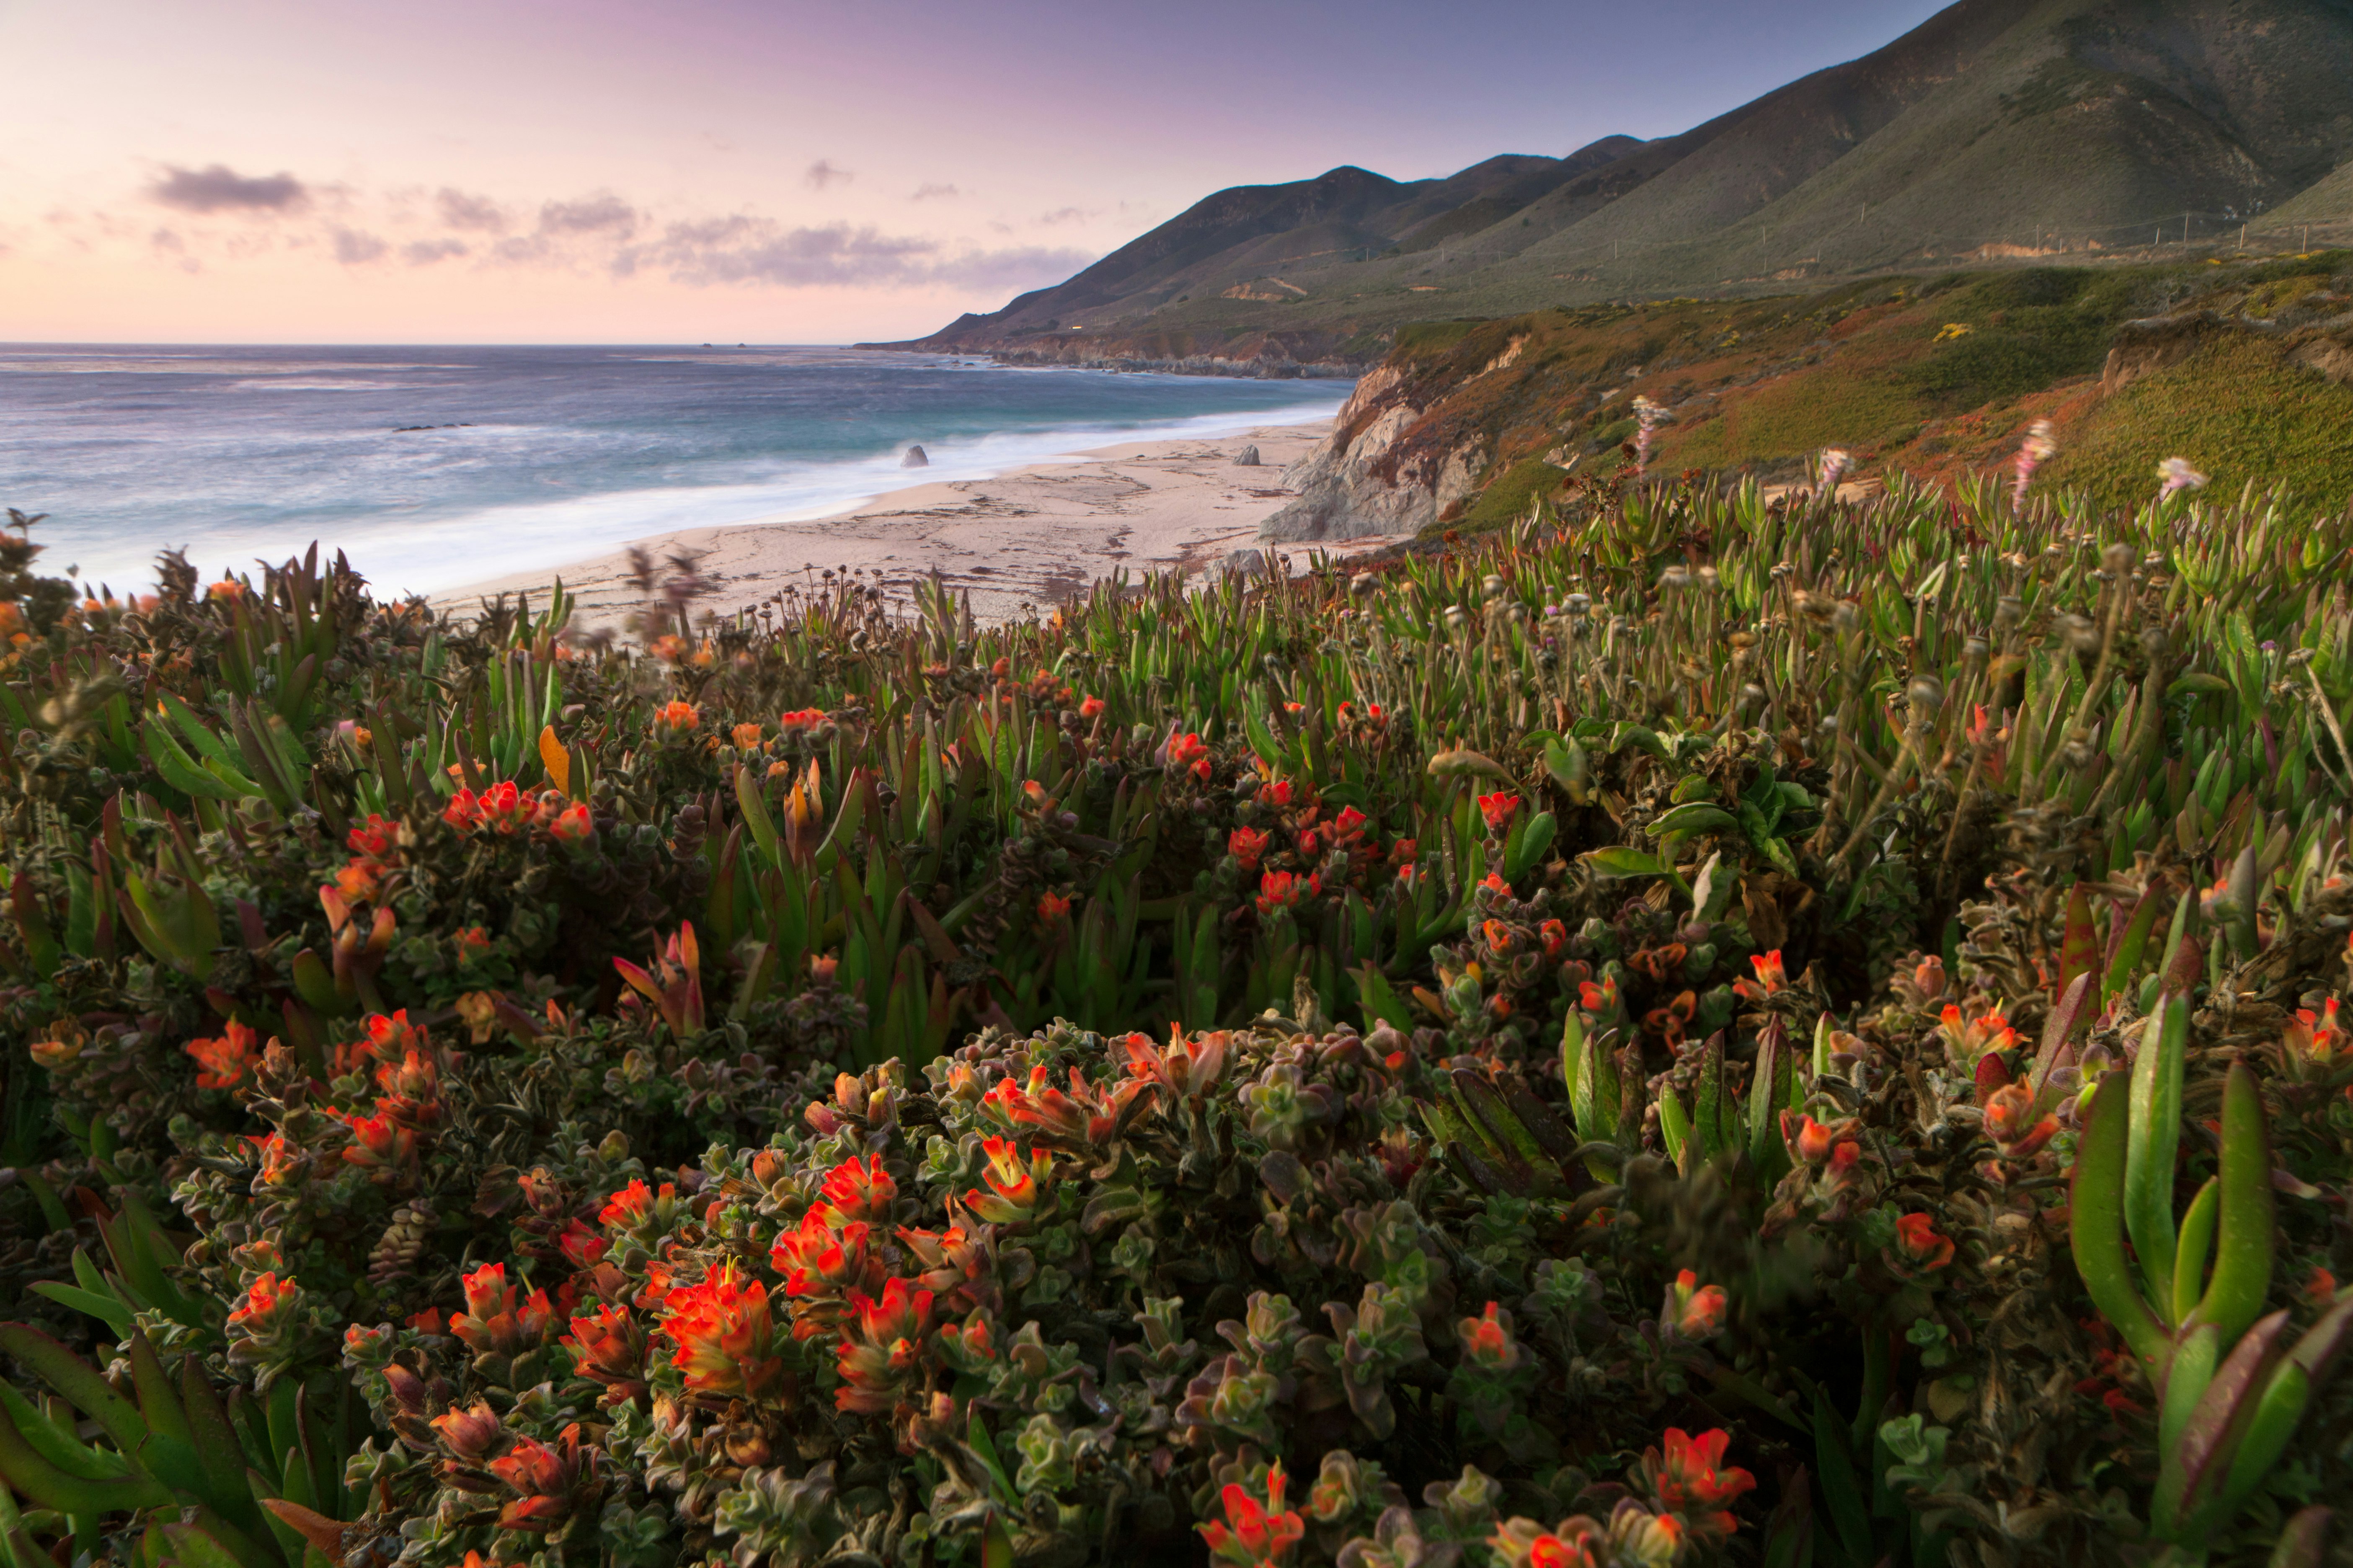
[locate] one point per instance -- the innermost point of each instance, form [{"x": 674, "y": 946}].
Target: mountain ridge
[{"x": 1994, "y": 130}]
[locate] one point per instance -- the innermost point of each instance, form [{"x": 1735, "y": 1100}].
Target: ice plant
[{"x": 2232, "y": 1387}]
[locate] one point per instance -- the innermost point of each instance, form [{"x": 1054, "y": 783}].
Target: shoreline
[{"x": 1034, "y": 535}]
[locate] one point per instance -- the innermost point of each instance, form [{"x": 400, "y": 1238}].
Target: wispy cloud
[
  {"x": 822, "y": 174},
  {"x": 357, "y": 247},
  {"x": 1067, "y": 215},
  {"x": 478, "y": 215},
  {"x": 603, "y": 213},
  {"x": 219, "y": 188},
  {"x": 749, "y": 250},
  {"x": 426, "y": 252},
  {"x": 932, "y": 191}
]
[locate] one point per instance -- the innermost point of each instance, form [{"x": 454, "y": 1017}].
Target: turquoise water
[{"x": 433, "y": 467}]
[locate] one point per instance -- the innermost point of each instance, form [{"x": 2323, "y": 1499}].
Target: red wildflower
[
  {"x": 1696, "y": 1311},
  {"x": 676, "y": 718},
  {"x": 374, "y": 839},
  {"x": 1918, "y": 1250},
  {"x": 547, "y": 1478},
  {"x": 610, "y": 1348},
  {"x": 1189, "y": 753},
  {"x": 584, "y": 1248},
  {"x": 1247, "y": 846},
  {"x": 800, "y": 719},
  {"x": 1016, "y": 1186},
  {"x": 1279, "y": 892},
  {"x": 1770, "y": 976},
  {"x": 724, "y": 1338},
  {"x": 1092, "y": 708},
  {"x": 881, "y": 1347},
  {"x": 1255, "y": 1534},
  {"x": 1499, "y": 808},
  {"x": 573, "y": 825},
  {"x": 859, "y": 1190},
  {"x": 222, "y": 1063},
  {"x": 746, "y": 737},
  {"x": 265, "y": 1301},
  {"x": 495, "y": 1320},
  {"x": 1691, "y": 1478},
  {"x": 1053, "y": 909}
]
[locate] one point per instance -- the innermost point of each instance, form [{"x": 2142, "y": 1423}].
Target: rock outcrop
[
  {"x": 915, "y": 459},
  {"x": 1377, "y": 473},
  {"x": 1247, "y": 458}
]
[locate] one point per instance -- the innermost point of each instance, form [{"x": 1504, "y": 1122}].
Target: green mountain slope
[{"x": 1998, "y": 129}]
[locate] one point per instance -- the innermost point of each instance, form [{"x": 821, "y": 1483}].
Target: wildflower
[
  {"x": 1771, "y": 978},
  {"x": 1053, "y": 909},
  {"x": 1970, "y": 1039},
  {"x": 1487, "y": 1339},
  {"x": 582, "y": 1247},
  {"x": 374, "y": 839},
  {"x": 724, "y": 1338},
  {"x": 379, "y": 1142},
  {"x": 638, "y": 1207},
  {"x": 1279, "y": 892},
  {"x": 2316, "y": 1038},
  {"x": 1189, "y": 753},
  {"x": 2037, "y": 449},
  {"x": 1348, "y": 827},
  {"x": 495, "y": 1320},
  {"x": 268, "y": 1304},
  {"x": 856, "y": 1190},
  {"x": 2008, "y": 1111},
  {"x": 1692, "y": 1473},
  {"x": 1525, "y": 1543},
  {"x": 800, "y": 719},
  {"x": 1835, "y": 462},
  {"x": 1186, "y": 1069},
  {"x": 1917, "y": 1248},
  {"x": 359, "y": 881},
  {"x": 1247, "y": 846},
  {"x": 826, "y": 1257},
  {"x": 229, "y": 588},
  {"x": 2176, "y": 474},
  {"x": 1696, "y": 1311},
  {"x": 1017, "y": 1187},
  {"x": 1813, "y": 1142},
  {"x": 1498, "y": 809},
  {"x": 470, "y": 1435},
  {"x": 609, "y": 1348},
  {"x": 676, "y": 718},
  {"x": 1648, "y": 417},
  {"x": 883, "y": 1347},
  {"x": 746, "y": 737},
  {"x": 1092, "y": 708},
  {"x": 546, "y": 1477},
  {"x": 573, "y": 825},
  {"x": 1555, "y": 936},
  {"x": 2320, "y": 1287},
  {"x": 222, "y": 1063},
  {"x": 1255, "y": 1534}
]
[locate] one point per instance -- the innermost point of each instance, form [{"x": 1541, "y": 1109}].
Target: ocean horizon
[{"x": 432, "y": 468}]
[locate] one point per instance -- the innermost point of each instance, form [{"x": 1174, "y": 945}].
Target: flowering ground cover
[{"x": 1700, "y": 1032}]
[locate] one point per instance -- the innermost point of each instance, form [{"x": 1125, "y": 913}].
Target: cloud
[
  {"x": 741, "y": 250},
  {"x": 221, "y": 189},
  {"x": 477, "y": 214},
  {"x": 426, "y": 252},
  {"x": 929, "y": 189},
  {"x": 356, "y": 248},
  {"x": 603, "y": 213},
  {"x": 1067, "y": 215},
  {"x": 822, "y": 174}
]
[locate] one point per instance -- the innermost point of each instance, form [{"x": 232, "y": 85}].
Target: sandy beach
[{"x": 1033, "y": 536}]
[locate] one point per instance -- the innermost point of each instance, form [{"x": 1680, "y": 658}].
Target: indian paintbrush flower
[
  {"x": 1255, "y": 1534},
  {"x": 222, "y": 1063},
  {"x": 1691, "y": 1478},
  {"x": 726, "y": 1342}
]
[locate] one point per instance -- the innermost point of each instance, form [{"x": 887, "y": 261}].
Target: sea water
[{"x": 435, "y": 468}]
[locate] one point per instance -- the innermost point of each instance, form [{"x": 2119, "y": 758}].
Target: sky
[{"x": 762, "y": 170}]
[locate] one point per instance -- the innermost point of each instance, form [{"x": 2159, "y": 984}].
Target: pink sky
[{"x": 254, "y": 170}]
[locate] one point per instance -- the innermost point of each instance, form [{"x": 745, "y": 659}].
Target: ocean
[{"x": 435, "y": 468}]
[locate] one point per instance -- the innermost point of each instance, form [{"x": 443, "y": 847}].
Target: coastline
[{"x": 1033, "y": 535}]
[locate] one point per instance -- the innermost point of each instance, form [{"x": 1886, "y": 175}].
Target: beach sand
[{"x": 1034, "y": 536}]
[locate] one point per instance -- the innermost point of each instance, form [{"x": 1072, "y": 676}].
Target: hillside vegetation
[
  {"x": 1638, "y": 1046},
  {"x": 2244, "y": 370}
]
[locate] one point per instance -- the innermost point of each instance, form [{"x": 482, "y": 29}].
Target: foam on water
[{"x": 440, "y": 468}]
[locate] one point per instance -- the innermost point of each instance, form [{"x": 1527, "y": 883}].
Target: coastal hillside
[
  {"x": 2246, "y": 369},
  {"x": 1997, "y": 131}
]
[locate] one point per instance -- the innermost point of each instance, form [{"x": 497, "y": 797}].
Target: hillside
[
  {"x": 1996, "y": 129},
  {"x": 2244, "y": 370}
]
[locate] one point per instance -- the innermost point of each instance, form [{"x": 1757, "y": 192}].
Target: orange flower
[
  {"x": 1813, "y": 1141},
  {"x": 222, "y": 1063},
  {"x": 1092, "y": 708},
  {"x": 1499, "y": 808},
  {"x": 573, "y": 825},
  {"x": 1189, "y": 751},
  {"x": 1487, "y": 1339},
  {"x": 611, "y": 1349},
  {"x": 724, "y": 1338},
  {"x": 801, "y": 719},
  {"x": 745, "y": 736},
  {"x": 582, "y": 1247},
  {"x": 1696, "y": 1311},
  {"x": 676, "y": 718},
  {"x": 1255, "y": 1534},
  {"x": 2316, "y": 1036},
  {"x": 855, "y": 1190},
  {"x": 881, "y": 1349},
  {"x": 265, "y": 1301},
  {"x": 1770, "y": 976},
  {"x": 1247, "y": 846},
  {"x": 1053, "y": 909},
  {"x": 1279, "y": 892},
  {"x": 825, "y": 1257},
  {"x": 1017, "y": 1187},
  {"x": 1918, "y": 1250},
  {"x": 1691, "y": 1472}
]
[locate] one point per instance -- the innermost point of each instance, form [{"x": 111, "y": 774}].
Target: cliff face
[{"x": 1374, "y": 474}]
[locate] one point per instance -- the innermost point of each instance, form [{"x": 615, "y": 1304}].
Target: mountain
[{"x": 1998, "y": 129}]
